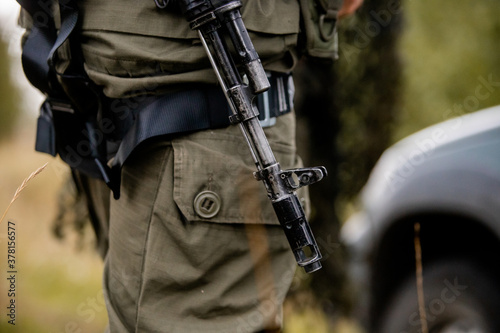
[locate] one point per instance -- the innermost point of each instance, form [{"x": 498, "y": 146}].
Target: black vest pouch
[{"x": 46, "y": 132}]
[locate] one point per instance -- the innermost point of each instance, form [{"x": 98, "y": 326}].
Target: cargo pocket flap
[{"x": 212, "y": 185}]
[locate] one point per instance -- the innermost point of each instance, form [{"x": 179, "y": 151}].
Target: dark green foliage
[
  {"x": 350, "y": 109},
  {"x": 448, "y": 46}
]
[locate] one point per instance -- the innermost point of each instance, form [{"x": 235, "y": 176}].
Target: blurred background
[{"x": 402, "y": 66}]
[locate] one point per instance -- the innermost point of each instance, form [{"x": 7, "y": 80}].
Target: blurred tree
[
  {"x": 448, "y": 46},
  {"x": 346, "y": 113},
  {"x": 349, "y": 112},
  {"x": 9, "y": 96}
]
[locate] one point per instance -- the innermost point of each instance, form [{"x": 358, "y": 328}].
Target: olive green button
[{"x": 207, "y": 204}]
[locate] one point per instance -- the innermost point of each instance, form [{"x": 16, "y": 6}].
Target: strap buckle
[
  {"x": 331, "y": 16},
  {"x": 276, "y": 101},
  {"x": 268, "y": 120},
  {"x": 60, "y": 105}
]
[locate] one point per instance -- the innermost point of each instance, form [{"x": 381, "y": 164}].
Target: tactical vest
[{"x": 71, "y": 122}]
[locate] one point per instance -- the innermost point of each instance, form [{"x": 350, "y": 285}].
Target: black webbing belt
[
  {"x": 175, "y": 113},
  {"x": 192, "y": 110}
]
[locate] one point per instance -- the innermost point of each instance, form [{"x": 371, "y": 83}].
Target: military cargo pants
[{"x": 194, "y": 245}]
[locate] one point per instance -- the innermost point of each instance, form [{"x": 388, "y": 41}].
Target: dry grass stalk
[
  {"x": 420, "y": 280},
  {"x": 22, "y": 187}
]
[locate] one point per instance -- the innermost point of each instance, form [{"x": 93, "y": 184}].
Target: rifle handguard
[{"x": 215, "y": 20}]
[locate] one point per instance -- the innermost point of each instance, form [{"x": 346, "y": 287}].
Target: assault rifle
[{"x": 216, "y": 20}]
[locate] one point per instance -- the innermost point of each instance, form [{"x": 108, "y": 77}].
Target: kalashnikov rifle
[{"x": 215, "y": 20}]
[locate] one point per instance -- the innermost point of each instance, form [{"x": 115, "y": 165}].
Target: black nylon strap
[
  {"x": 40, "y": 48},
  {"x": 180, "y": 112},
  {"x": 191, "y": 110},
  {"x": 69, "y": 19},
  {"x": 200, "y": 108},
  {"x": 30, "y": 6}
]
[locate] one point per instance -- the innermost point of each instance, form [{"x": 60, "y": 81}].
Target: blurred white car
[{"x": 447, "y": 178}]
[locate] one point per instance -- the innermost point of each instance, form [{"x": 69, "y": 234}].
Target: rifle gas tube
[{"x": 215, "y": 20}]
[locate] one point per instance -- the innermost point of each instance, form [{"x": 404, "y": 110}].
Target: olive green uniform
[
  {"x": 132, "y": 47},
  {"x": 169, "y": 267},
  {"x": 194, "y": 244}
]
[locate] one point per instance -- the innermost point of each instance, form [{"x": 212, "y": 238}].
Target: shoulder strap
[
  {"x": 38, "y": 45},
  {"x": 60, "y": 128},
  {"x": 40, "y": 48}
]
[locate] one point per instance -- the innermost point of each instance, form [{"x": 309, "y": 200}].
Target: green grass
[
  {"x": 447, "y": 46},
  {"x": 57, "y": 288}
]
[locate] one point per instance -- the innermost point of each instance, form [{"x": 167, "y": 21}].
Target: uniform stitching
[{"x": 141, "y": 289}]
